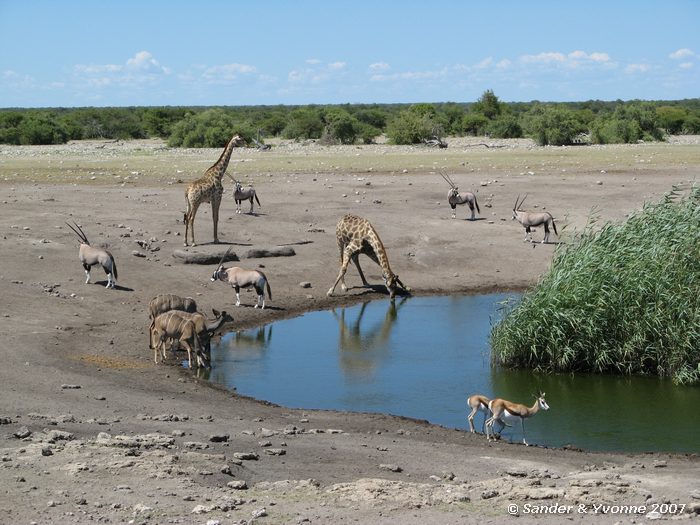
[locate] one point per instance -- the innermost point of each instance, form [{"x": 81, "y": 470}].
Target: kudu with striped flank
[
  {"x": 504, "y": 411},
  {"x": 531, "y": 219},
  {"x": 90, "y": 256},
  {"x": 454, "y": 197},
  {"x": 240, "y": 278},
  {"x": 203, "y": 327},
  {"x": 176, "y": 326},
  {"x": 165, "y": 302}
]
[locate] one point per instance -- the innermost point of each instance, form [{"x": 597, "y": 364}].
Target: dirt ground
[{"x": 91, "y": 430}]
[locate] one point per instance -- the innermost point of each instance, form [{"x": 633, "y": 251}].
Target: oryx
[
  {"x": 90, "y": 256},
  {"x": 240, "y": 195},
  {"x": 240, "y": 278},
  {"x": 533, "y": 218},
  {"x": 454, "y": 197}
]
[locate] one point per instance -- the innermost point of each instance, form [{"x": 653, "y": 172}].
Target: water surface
[{"x": 421, "y": 357}]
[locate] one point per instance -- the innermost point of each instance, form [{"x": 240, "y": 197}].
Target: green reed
[{"x": 621, "y": 298}]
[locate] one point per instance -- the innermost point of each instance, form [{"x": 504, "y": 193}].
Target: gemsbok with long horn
[
  {"x": 454, "y": 197},
  {"x": 174, "y": 325},
  {"x": 241, "y": 278},
  {"x": 507, "y": 411},
  {"x": 531, "y": 219},
  {"x": 240, "y": 195},
  {"x": 90, "y": 256}
]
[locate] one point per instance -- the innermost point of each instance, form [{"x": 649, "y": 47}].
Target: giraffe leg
[
  {"x": 215, "y": 203},
  {"x": 189, "y": 222},
  {"x": 341, "y": 274},
  {"x": 356, "y": 260}
]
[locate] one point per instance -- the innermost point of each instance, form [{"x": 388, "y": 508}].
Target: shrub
[
  {"x": 410, "y": 127},
  {"x": 474, "y": 124},
  {"x": 210, "y": 129},
  {"x": 304, "y": 123},
  {"x": 553, "y": 125},
  {"x": 624, "y": 298},
  {"x": 504, "y": 127},
  {"x": 41, "y": 128}
]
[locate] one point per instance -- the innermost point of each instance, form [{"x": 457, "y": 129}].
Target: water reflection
[
  {"x": 363, "y": 348},
  {"x": 422, "y": 357}
]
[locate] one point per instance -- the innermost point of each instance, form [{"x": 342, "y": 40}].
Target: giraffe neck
[
  {"x": 380, "y": 252},
  {"x": 219, "y": 168}
]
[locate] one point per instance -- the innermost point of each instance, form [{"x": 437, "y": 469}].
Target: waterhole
[{"x": 422, "y": 357}]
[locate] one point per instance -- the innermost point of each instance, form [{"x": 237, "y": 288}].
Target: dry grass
[{"x": 150, "y": 162}]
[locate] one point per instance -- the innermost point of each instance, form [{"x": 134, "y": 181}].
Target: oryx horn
[
  {"x": 79, "y": 232},
  {"x": 448, "y": 180},
  {"x": 224, "y": 256}
]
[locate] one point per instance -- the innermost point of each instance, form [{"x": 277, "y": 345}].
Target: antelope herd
[{"x": 177, "y": 321}]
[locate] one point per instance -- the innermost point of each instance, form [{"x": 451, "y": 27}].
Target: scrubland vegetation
[{"x": 593, "y": 121}]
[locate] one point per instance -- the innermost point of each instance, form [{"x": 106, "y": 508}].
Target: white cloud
[
  {"x": 545, "y": 58},
  {"x": 409, "y": 75},
  {"x": 484, "y": 63},
  {"x": 503, "y": 64},
  {"x": 379, "y": 66},
  {"x": 144, "y": 61},
  {"x": 686, "y": 65},
  {"x": 313, "y": 61},
  {"x": 681, "y": 53},
  {"x": 336, "y": 66},
  {"x": 142, "y": 67},
  {"x": 637, "y": 68},
  {"x": 227, "y": 72}
]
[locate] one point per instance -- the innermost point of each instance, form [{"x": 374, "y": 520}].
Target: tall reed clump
[{"x": 624, "y": 298}]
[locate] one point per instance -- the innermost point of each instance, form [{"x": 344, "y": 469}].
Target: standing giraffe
[
  {"x": 355, "y": 236},
  {"x": 208, "y": 188}
]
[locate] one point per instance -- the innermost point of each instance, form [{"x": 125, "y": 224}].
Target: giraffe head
[{"x": 392, "y": 282}]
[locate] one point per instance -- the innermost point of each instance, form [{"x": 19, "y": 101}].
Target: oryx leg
[
  {"x": 528, "y": 236},
  {"x": 251, "y": 205},
  {"x": 546, "y": 233},
  {"x": 261, "y": 296},
  {"x": 238, "y": 206},
  {"x": 471, "y": 207},
  {"x": 86, "y": 267},
  {"x": 238, "y": 294},
  {"x": 454, "y": 212}
]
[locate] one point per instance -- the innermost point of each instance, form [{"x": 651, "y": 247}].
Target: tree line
[{"x": 593, "y": 121}]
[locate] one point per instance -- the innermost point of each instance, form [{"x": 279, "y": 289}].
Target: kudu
[
  {"x": 531, "y": 219},
  {"x": 240, "y": 278},
  {"x": 454, "y": 197},
  {"x": 90, "y": 256}
]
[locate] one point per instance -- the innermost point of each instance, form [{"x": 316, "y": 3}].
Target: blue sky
[{"x": 66, "y": 53}]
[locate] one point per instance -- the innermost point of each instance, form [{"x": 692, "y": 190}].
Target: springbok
[
  {"x": 531, "y": 218},
  {"x": 454, "y": 197},
  {"x": 173, "y": 325},
  {"x": 240, "y": 278},
  {"x": 240, "y": 195},
  {"x": 90, "y": 256},
  {"x": 505, "y": 411},
  {"x": 477, "y": 403}
]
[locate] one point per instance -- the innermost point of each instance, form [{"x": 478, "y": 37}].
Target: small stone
[
  {"x": 275, "y": 451},
  {"x": 219, "y": 438},
  {"x": 137, "y": 253},
  {"x": 46, "y": 451},
  {"x": 22, "y": 433},
  {"x": 70, "y": 387},
  {"x": 305, "y": 284},
  {"x": 390, "y": 467},
  {"x": 246, "y": 456},
  {"x": 238, "y": 484}
]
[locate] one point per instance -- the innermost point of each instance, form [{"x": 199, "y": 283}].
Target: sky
[{"x": 77, "y": 53}]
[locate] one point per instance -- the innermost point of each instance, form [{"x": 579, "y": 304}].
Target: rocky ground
[{"x": 91, "y": 430}]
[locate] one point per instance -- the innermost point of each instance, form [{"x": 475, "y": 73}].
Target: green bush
[
  {"x": 553, "y": 126},
  {"x": 624, "y": 298},
  {"x": 210, "y": 129},
  {"x": 474, "y": 124},
  {"x": 410, "y": 127},
  {"x": 340, "y": 127},
  {"x": 504, "y": 127},
  {"x": 41, "y": 128},
  {"x": 304, "y": 123}
]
